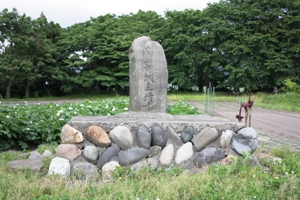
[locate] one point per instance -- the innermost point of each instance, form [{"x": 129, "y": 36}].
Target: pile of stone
[{"x": 84, "y": 154}]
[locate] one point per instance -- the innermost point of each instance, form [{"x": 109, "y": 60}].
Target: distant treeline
[{"x": 231, "y": 44}]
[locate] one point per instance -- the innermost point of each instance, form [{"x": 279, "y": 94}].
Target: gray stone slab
[
  {"x": 134, "y": 119},
  {"x": 148, "y": 76}
]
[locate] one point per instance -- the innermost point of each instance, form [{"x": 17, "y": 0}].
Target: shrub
[
  {"x": 291, "y": 86},
  {"x": 22, "y": 125}
]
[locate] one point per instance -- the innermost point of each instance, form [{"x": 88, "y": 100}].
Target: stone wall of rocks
[{"x": 95, "y": 149}]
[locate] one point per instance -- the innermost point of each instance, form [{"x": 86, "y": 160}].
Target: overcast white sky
[{"x": 69, "y": 12}]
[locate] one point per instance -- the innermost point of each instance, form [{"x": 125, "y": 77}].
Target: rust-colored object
[{"x": 248, "y": 112}]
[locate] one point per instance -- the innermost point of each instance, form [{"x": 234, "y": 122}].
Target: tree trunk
[
  {"x": 26, "y": 89},
  {"x": 8, "y": 86}
]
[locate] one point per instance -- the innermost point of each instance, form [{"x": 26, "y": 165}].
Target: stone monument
[{"x": 148, "y": 76}]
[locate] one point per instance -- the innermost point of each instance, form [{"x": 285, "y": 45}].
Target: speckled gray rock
[
  {"x": 245, "y": 141},
  {"x": 68, "y": 151},
  {"x": 132, "y": 155},
  {"x": 60, "y": 166},
  {"x": 84, "y": 171},
  {"x": 184, "y": 153},
  {"x": 122, "y": 136},
  {"x": 148, "y": 76},
  {"x": 205, "y": 137},
  {"x": 70, "y": 135},
  {"x": 167, "y": 155},
  {"x": 173, "y": 138},
  {"x": 147, "y": 163},
  {"x": 155, "y": 152},
  {"x": 143, "y": 137},
  {"x": 107, "y": 155},
  {"x": 90, "y": 153},
  {"x": 108, "y": 169},
  {"x": 158, "y": 136},
  {"x": 188, "y": 134},
  {"x": 208, "y": 156}
]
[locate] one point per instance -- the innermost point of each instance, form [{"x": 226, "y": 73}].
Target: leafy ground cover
[
  {"x": 236, "y": 181},
  {"x": 23, "y": 124}
]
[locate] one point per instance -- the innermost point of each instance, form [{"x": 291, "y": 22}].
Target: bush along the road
[{"x": 23, "y": 124}]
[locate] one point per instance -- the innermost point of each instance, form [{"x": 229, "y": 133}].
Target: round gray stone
[
  {"x": 245, "y": 141},
  {"x": 122, "y": 136},
  {"x": 159, "y": 137},
  {"x": 143, "y": 137},
  {"x": 90, "y": 153},
  {"x": 187, "y": 134}
]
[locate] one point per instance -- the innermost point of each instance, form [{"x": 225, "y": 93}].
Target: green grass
[
  {"x": 235, "y": 181},
  {"x": 285, "y": 101}
]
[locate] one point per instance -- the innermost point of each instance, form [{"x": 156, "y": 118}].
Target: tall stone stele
[{"x": 148, "y": 76}]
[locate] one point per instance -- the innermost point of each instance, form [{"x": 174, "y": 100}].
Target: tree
[
  {"x": 253, "y": 42},
  {"x": 10, "y": 61}
]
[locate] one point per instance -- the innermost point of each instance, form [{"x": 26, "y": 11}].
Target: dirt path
[{"x": 275, "y": 128}]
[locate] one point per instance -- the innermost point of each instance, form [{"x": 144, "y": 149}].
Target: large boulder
[
  {"x": 132, "y": 155},
  {"x": 245, "y": 141},
  {"x": 108, "y": 169},
  {"x": 188, "y": 134},
  {"x": 90, "y": 153},
  {"x": 205, "y": 137},
  {"x": 159, "y": 137},
  {"x": 97, "y": 136},
  {"x": 70, "y": 135},
  {"x": 173, "y": 138},
  {"x": 60, "y": 166},
  {"x": 155, "y": 152},
  {"x": 107, "y": 155},
  {"x": 226, "y": 138},
  {"x": 122, "y": 136},
  {"x": 84, "y": 171},
  {"x": 68, "y": 151},
  {"x": 143, "y": 137},
  {"x": 35, "y": 165},
  {"x": 208, "y": 156},
  {"x": 184, "y": 153},
  {"x": 167, "y": 155}
]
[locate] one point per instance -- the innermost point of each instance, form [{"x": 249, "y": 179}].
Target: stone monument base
[
  {"x": 142, "y": 139},
  {"x": 132, "y": 120}
]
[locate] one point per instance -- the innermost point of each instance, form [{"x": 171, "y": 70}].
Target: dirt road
[{"x": 275, "y": 128}]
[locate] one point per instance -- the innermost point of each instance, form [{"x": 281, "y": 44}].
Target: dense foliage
[
  {"x": 22, "y": 124},
  {"x": 231, "y": 44}
]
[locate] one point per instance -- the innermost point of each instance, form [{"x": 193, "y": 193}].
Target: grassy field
[{"x": 236, "y": 181}]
